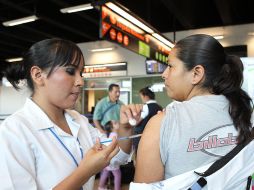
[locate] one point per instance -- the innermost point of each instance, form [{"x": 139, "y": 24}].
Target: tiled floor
[{"x": 123, "y": 187}]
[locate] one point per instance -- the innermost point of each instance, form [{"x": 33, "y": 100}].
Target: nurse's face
[
  {"x": 177, "y": 79},
  {"x": 63, "y": 87}
]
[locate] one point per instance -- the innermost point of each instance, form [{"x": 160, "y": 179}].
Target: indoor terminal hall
[{"x": 126, "y": 95}]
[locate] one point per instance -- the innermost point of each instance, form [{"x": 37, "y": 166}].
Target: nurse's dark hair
[
  {"x": 223, "y": 75},
  {"x": 47, "y": 55}
]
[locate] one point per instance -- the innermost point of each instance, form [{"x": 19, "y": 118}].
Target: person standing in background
[
  {"x": 108, "y": 108},
  {"x": 150, "y": 108}
]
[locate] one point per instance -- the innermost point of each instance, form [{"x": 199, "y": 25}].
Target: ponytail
[
  {"x": 14, "y": 73},
  {"x": 229, "y": 83}
]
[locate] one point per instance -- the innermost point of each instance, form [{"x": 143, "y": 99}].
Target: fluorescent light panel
[
  {"x": 127, "y": 16},
  {"x": 135, "y": 21},
  {"x": 163, "y": 40},
  {"x": 14, "y": 59},
  {"x": 78, "y": 8},
  {"x": 128, "y": 23},
  {"x": 104, "y": 65},
  {"x": 102, "y": 49},
  {"x": 218, "y": 37},
  {"x": 20, "y": 21}
]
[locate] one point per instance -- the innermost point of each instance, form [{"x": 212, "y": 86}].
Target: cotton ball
[{"x": 132, "y": 122}]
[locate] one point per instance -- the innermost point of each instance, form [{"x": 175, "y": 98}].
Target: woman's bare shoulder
[
  {"x": 155, "y": 122},
  {"x": 149, "y": 167}
]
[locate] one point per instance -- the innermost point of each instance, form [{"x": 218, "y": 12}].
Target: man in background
[{"x": 108, "y": 108}]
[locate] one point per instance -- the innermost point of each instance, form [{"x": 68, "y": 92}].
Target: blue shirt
[{"x": 112, "y": 114}]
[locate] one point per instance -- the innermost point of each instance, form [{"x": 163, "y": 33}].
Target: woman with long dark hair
[{"x": 212, "y": 113}]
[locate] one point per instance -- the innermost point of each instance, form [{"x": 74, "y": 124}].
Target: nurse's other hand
[{"x": 98, "y": 157}]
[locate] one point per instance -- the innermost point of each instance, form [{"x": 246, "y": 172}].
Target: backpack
[{"x": 232, "y": 172}]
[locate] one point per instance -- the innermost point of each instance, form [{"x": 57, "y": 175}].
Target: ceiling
[{"x": 164, "y": 15}]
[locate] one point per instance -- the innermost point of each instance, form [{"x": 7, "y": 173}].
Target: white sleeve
[
  {"x": 17, "y": 162},
  {"x": 120, "y": 158},
  {"x": 145, "y": 111},
  {"x": 95, "y": 133}
]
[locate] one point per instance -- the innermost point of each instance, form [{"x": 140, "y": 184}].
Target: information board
[
  {"x": 116, "y": 29},
  {"x": 105, "y": 70}
]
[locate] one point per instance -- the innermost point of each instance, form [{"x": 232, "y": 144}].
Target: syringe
[{"x": 121, "y": 138}]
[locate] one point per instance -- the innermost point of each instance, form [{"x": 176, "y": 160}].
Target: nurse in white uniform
[{"x": 46, "y": 144}]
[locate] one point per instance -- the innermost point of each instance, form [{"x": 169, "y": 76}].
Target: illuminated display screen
[
  {"x": 117, "y": 29},
  {"x": 155, "y": 67},
  {"x": 105, "y": 70}
]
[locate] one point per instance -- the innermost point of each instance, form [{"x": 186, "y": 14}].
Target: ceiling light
[
  {"x": 218, "y": 37},
  {"x": 127, "y": 16},
  {"x": 164, "y": 40},
  {"x": 132, "y": 26},
  {"x": 78, "y": 8},
  {"x": 16, "y": 59},
  {"x": 20, "y": 21},
  {"x": 102, "y": 49}
]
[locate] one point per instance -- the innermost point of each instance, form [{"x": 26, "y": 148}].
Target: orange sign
[{"x": 119, "y": 30}]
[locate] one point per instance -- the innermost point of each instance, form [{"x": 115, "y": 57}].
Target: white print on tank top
[{"x": 214, "y": 141}]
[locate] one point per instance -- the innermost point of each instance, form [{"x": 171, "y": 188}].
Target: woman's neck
[
  {"x": 55, "y": 114},
  {"x": 198, "y": 92}
]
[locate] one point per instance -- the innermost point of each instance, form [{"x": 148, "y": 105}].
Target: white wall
[
  {"x": 233, "y": 35},
  {"x": 135, "y": 62},
  {"x": 248, "y": 74},
  {"x": 11, "y": 100}
]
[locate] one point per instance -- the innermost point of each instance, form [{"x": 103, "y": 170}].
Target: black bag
[{"x": 127, "y": 171}]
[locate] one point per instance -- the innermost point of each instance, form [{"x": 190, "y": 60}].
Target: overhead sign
[
  {"x": 117, "y": 29},
  {"x": 105, "y": 70}
]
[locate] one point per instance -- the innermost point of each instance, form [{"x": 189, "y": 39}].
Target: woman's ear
[
  {"x": 37, "y": 75},
  {"x": 198, "y": 74}
]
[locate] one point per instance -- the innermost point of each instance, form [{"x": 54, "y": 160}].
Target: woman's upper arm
[{"x": 149, "y": 167}]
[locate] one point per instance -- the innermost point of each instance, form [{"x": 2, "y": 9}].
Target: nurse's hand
[
  {"x": 98, "y": 157},
  {"x": 95, "y": 160}
]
